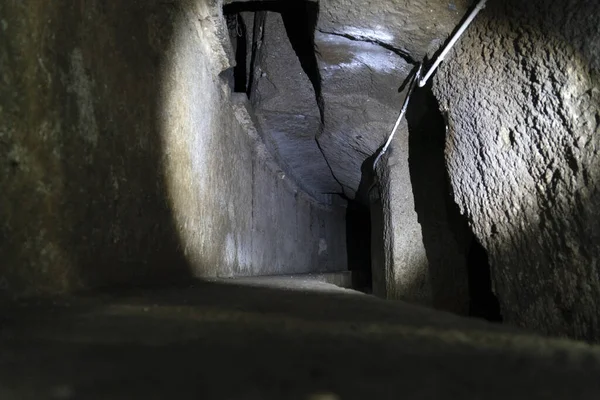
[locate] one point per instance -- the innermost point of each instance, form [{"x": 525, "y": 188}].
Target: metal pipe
[
  {"x": 402, "y": 112},
  {"x": 463, "y": 27}
]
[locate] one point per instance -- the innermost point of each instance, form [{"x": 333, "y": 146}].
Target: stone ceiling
[{"x": 324, "y": 77}]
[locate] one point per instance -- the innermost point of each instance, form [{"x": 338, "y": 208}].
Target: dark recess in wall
[
  {"x": 239, "y": 41},
  {"x": 300, "y": 21},
  {"x": 458, "y": 264},
  {"x": 483, "y": 303},
  {"x": 358, "y": 244}
]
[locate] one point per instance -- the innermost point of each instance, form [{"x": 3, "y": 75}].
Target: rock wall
[
  {"x": 326, "y": 76},
  {"x": 446, "y": 236},
  {"x": 124, "y": 158},
  {"x": 399, "y": 259},
  {"x": 522, "y": 96},
  {"x": 420, "y": 242},
  {"x": 287, "y": 111}
]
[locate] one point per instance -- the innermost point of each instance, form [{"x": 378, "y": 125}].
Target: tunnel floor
[{"x": 231, "y": 341}]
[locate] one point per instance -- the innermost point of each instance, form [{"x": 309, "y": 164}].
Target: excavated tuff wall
[
  {"x": 124, "y": 158},
  {"x": 522, "y": 96}
]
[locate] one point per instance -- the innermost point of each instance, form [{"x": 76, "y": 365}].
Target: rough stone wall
[
  {"x": 420, "y": 241},
  {"x": 400, "y": 267},
  {"x": 238, "y": 213},
  {"x": 286, "y": 109},
  {"x": 445, "y": 233},
  {"x": 522, "y": 95},
  {"x": 122, "y": 157}
]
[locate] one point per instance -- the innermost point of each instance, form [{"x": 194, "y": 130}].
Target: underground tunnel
[{"x": 303, "y": 199}]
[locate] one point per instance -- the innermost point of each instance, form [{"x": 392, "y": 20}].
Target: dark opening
[
  {"x": 358, "y": 243},
  {"x": 239, "y": 41},
  {"x": 300, "y": 21},
  {"x": 483, "y": 304},
  {"x": 458, "y": 264}
]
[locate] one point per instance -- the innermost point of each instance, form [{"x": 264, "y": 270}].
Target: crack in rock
[{"x": 401, "y": 53}]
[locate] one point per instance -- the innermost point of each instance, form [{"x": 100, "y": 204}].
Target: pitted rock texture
[{"x": 522, "y": 96}]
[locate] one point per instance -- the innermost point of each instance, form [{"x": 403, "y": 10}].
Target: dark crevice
[
  {"x": 367, "y": 178},
  {"x": 335, "y": 178},
  {"x": 358, "y": 245},
  {"x": 300, "y": 22},
  {"x": 258, "y": 31},
  {"x": 483, "y": 303},
  {"x": 458, "y": 265},
  {"x": 239, "y": 41}
]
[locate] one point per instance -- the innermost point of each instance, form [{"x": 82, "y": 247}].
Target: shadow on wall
[
  {"x": 84, "y": 199},
  {"x": 458, "y": 266}
]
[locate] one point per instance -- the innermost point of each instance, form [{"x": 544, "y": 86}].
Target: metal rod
[
  {"x": 402, "y": 112},
  {"x": 463, "y": 27}
]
